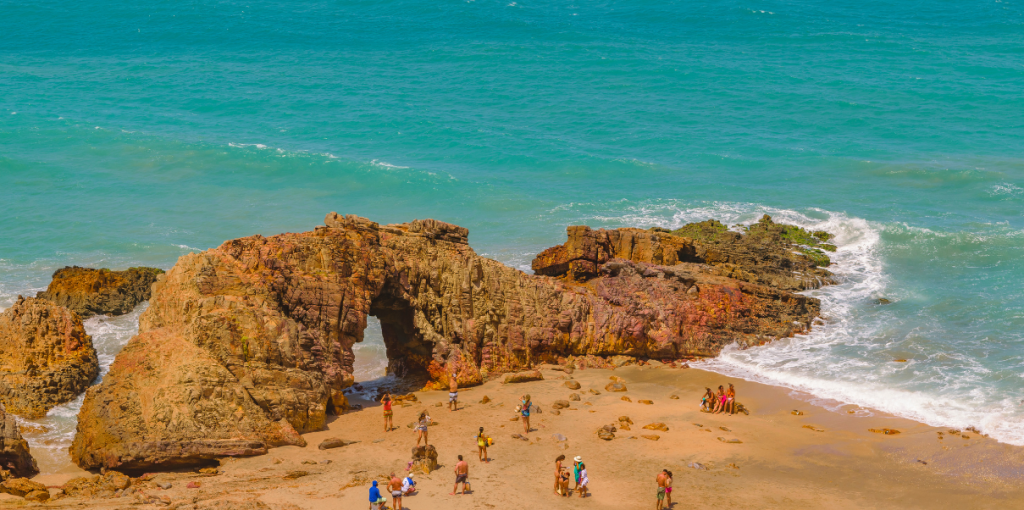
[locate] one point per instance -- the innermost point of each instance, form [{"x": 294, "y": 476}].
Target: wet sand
[{"x": 820, "y": 459}]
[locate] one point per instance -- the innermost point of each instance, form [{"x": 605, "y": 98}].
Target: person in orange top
[{"x": 388, "y": 413}]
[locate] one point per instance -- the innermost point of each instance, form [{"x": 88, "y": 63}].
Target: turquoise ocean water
[{"x": 131, "y": 134}]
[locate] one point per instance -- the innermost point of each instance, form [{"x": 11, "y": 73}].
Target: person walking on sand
[
  {"x": 524, "y": 409},
  {"x": 461, "y": 476},
  {"x": 584, "y": 481},
  {"x": 422, "y": 424},
  {"x": 453, "y": 393},
  {"x": 481, "y": 445},
  {"x": 662, "y": 476},
  {"x": 395, "y": 485},
  {"x": 558, "y": 474},
  {"x": 388, "y": 413}
]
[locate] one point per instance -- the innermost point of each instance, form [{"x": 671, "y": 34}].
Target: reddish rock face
[
  {"x": 89, "y": 292},
  {"x": 46, "y": 358},
  {"x": 248, "y": 344}
]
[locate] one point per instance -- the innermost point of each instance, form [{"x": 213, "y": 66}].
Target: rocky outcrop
[
  {"x": 90, "y": 292},
  {"x": 15, "y": 459},
  {"x": 46, "y": 358},
  {"x": 247, "y": 345}
]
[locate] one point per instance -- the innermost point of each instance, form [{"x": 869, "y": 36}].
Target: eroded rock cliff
[
  {"x": 15, "y": 457},
  {"x": 248, "y": 344},
  {"x": 89, "y": 292},
  {"x": 46, "y": 358}
]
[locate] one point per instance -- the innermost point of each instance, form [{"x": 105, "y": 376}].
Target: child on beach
[
  {"x": 564, "y": 482},
  {"x": 584, "y": 481},
  {"x": 524, "y": 409},
  {"x": 388, "y": 413},
  {"x": 481, "y": 444}
]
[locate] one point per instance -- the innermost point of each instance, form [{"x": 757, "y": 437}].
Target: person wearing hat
[
  {"x": 576, "y": 462},
  {"x": 408, "y": 485}
]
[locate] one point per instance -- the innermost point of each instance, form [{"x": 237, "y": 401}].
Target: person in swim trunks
[
  {"x": 453, "y": 393},
  {"x": 662, "y": 476},
  {"x": 707, "y": 403},
  {"x": 388, "y": 413},
  {"x": 461, "y": 476},
  {"x": 395, "y": 486}
]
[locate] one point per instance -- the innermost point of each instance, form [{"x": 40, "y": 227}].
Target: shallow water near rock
[{"x": 171, "y": 128}]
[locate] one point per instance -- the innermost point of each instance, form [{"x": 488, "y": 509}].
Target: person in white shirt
[{"x": 408, "y": 485}]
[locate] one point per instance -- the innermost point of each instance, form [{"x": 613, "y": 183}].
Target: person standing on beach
[
  {"x": 584, "y": 481},
  {"x": 668, "y": 489},
  {"x": 558, "y": 474},
  {"x": 422, "y": 424},
  {"x": 481, "y": 444},
  {"x": 453, "y": 393},
  {"x": 395, "y": 486},
  {"x": 576, "y": 462},
  {"x": 388, "y": 413},
  {"x": 525, "y": 411},
  {"x": 662, "y": 476},
  {"x": 461, "y": 476}
]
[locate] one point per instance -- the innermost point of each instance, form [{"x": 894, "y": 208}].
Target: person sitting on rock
[
  {"x": 720, "y": 399},
  {"x": 375, "y": 499},
  {"x": 730, "y": 401},
  {"x": 707, "y": 404}
]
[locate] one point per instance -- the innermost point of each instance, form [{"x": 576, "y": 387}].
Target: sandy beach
[{"x": 818, "y": 459}]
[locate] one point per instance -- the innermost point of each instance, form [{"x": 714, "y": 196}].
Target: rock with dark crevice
[{"x": 89, "y": 292}]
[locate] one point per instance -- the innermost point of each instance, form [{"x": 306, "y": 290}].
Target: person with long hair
[
  {"x": 422, "y": 424},
  {"x": 481, "y": 445},
  {"x": 388, "y": 413},
  {"x": 558, "y": 474}
]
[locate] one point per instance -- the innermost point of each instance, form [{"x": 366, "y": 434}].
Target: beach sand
[{"x": 820, "y": 459}]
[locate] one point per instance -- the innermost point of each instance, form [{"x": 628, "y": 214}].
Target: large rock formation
[
  {"x": 244, "y": 345},
  {"x": 100, "y": 291},
  {"x": 46, "y": 358},
  {"x": 15, "y": 459}
]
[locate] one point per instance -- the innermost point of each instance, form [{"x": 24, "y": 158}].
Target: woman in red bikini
[{"x": 388, "y": 413}]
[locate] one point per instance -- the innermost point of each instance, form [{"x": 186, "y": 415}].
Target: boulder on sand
[
  {"x": 46, "y": 358},
  {"x": 521, "y": 377}
]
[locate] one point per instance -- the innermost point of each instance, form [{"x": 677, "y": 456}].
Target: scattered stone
[
  {"x": 193, "y": 485},
  {"x": 556, "y": 412},
  {"x": 209, "y": 471},
  {"x": 626, "y": 399},
  {"x": 325, "y": 461},
  {"x": 38, "y": 496},
  {"x": 20, "y": 487},
  {"x": 560, "y": 404},
  {"x": 439, "y": 404},
  {"x": 656, "y": 426},
  {"x": 165, "y": 485},
  {"x": 645, "y": 402},
  {"x": 652, "y": 437},
  {"x": 520, "y": 436},
  {"x": 606, "y": 432},
  {"x": 298, "y": 473},
  {"x": 699, "y": 425},
  {"x": 32, "y": 428},
  {"x": 521, "y": 377},
  {"x": 514, "y": 418},
  {"x": 882, "y": 301},
  {"x": 888, "y": 432},
  {"x": 725, "y": 429},
  {"x": 334, "y": 442},
  {"x": 625, "y": 419},
  {"x": 673, "y": 397},
  {"x": 309, "y": 462},
  {"x": 734, "y": 466},
  {"x": 730, "y": 441},
  {"x": 900, "y": 360},
  {"x": 797, "y": 413},
  {"x": 575, "y": 397},
  {"x": 922, "y": 462},
  {"x": 965, "y": 436},
  {"x": 485, "y": 400},
  {"x": 594, "y": 392},
  {"x": 812, "y": 427},
  {"x": 572, "y": 384}
]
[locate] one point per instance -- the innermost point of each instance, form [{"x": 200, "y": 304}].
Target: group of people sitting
[
  {"x": 579, "y": 472},
  {"x": 724, "y": 400},
  {"x": 398, "y": 489}
]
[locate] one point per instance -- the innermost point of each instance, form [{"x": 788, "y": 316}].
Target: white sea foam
[
  {"x": 384, "y": 164},
  {"x": 848, "y": 356}
]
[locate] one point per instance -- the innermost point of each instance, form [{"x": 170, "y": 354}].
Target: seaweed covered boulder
[
  {"x": 46, "y": 358},
  {"x": 90, "y": 292}
]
